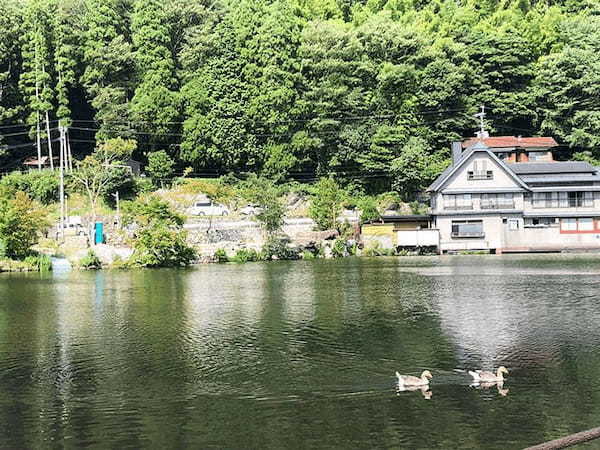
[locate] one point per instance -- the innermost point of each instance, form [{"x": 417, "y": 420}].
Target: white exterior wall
[
  {"x": 460, "y": 180},
  {"x": 492, "y": 228},
  {"x": 497, "y": 233},
  {"x": 418, "y": 238}
]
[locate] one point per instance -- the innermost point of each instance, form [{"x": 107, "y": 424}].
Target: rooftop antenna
[{"x": 482, "y": 134}]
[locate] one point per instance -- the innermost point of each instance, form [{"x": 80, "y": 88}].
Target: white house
[{"x": 507, "y": 194}]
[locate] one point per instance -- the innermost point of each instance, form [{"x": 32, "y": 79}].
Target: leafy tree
[
  {"x": 36, "y": 76},
  {"x": 66, "y": 42},
  {"x": 326, "y": 203},
  {"x": 368, "y": 209},
  {"x": 265, "y": 195},
  {"x": 160, "y": 240},
  {"x": 415, "y": 168},
  {"x": 568, "y": 96},
  {"x": 21, "y": 222},
  {"x": 41, "y": 186},
  {"x": 98, "y": 172},
  {"x": 108, "y": 64},
  {"x": 149, "y": 208},
  {"x": 9, "y": 50},
  {"x": 155, "y": 103},
  {"x": 160, "y": 166}
]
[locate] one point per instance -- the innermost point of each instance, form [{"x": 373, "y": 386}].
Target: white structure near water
[{"x": 508, "y": 194}]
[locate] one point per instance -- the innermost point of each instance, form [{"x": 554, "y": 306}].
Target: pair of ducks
[{"x": 482, "y": 378}]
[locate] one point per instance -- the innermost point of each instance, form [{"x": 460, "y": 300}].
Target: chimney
[{"x": 456, "y": 152}]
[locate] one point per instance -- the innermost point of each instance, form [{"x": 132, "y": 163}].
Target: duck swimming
[
  {"x": 483, "y": 376},
  {"x": 405, "y": 381}
]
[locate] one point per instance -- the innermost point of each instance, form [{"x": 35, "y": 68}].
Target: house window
[
  {"x": 458, "y": 201},
  {"x": 538, "y": 156},
  {"x": 580, "y": 225},
  {"x": 480, "y": 171},
  {"x": 563, "y": 199},
  {"x": 497, "y": 201},
  {"x": 467, "y": 229},
  {"x": 513, "y": 224},
  {"x": 540, "y": 222},
  {"x": 585, "y": 224}
]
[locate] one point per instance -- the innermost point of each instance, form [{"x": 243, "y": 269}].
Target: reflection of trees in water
[{"x": 271, "y": 355}]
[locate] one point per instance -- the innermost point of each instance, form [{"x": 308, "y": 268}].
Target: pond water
[{"x": 302, "y": 354}]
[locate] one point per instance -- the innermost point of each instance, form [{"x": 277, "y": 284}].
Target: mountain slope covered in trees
[{"x": 359, "y": 89}]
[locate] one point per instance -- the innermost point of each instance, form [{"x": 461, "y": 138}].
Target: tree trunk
[{"x": 49, "y": 141}]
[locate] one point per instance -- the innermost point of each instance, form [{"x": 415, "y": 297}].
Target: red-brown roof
[{"x": 513, "y": 141}]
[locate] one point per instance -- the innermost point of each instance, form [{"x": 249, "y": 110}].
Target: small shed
[
  {"x": 401, "y": 232},
  {"x": 135, "y": 166},
  {"x": 32, "y": 162}
]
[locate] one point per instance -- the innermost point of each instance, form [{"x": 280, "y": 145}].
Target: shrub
[
  {"x": 38, "y": 185},
  {"x": 246, "y": 255},
  {"x": 142, "y": 185},
  {"x": 40, "y": 262},
  {"x": 90, "y": 261},
  {"x": 149, "y": 208},
  {"x": 306, "y": 254},
  {"x": 338, "y": 250},
  {"x": 159, "y": 245},
  {"x": 375, "y": 249},
  {"x": 278, "y": 248},
  {"x": 221, "y": 256},
  {"x": 21, "y": 222}
]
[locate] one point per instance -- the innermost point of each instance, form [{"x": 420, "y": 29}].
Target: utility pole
[
  {"x": 69, "y": 153},
  {"x": 481, "y": 116},
  {"x": 116, "y": 196},
  {"x": 62, "y": 181}
]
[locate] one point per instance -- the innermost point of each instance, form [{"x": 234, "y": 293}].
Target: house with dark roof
[{"x": 508, "y": 194}]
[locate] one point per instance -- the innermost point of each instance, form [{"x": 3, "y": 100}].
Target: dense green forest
[{"x": 366, "y": 90}]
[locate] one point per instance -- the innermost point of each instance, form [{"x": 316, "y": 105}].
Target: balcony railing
[
  {"x": 458, "y": 207},
  {"x": 486, "y": 175},
  {"x": 468, "y": 234},
  {"x": 503, "y": 205}
]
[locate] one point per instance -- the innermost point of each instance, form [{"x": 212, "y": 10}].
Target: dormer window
[{"x": 480, "y": 171}]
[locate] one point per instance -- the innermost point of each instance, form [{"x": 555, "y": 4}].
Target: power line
[
  {"x": 22, "y": 125},
  {"x": 350, "y": 118},
  {"x": 22, "y": 133}
]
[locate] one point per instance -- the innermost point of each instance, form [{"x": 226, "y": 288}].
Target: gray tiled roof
[
  {"x": 561, "y": 178},
  {"x": 552, "y": 167}
]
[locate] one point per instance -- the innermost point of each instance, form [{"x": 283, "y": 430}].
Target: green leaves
[
  {"x": 326, "y": 203},
  {"x": 21, "y": 222},
  {"x": 160, "y": 166}
]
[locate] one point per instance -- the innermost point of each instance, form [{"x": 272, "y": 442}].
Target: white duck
[
  {"x": 483, "y": 376},
  {"x": 406, "y": 381}
]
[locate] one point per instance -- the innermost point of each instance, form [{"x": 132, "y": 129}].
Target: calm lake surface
[{"x": 302, "y": 354}]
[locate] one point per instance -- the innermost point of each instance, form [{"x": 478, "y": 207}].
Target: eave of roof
[
  {"x": 406, "y": 218},
  {"x": 479, "y": 147},
  {"x": 513, "y": 141}
]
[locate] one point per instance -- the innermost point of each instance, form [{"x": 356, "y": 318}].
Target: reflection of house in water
[{"x": 503, "y": 312}]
